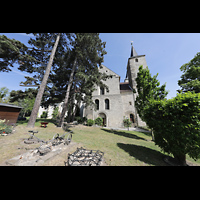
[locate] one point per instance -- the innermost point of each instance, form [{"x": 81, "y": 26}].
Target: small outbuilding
[{"x": 9, "y": 112}]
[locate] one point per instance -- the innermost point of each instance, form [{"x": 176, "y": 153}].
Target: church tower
[{"x": 134, "y": 62}]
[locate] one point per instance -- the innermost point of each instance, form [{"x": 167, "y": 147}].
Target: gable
[{"x": 108, "y": 71}]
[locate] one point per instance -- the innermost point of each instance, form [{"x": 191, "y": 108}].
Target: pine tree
[
  {"x": 13, "y": 51},
  {"x": 38, "y": 99},
  {"x": 87, "y": 55}
]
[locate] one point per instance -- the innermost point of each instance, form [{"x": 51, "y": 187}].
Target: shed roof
[{"x": 9, "y": 105}]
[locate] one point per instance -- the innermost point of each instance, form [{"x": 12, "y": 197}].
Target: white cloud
[
  {"x": 24, "y": 34},
  {"x": 20, "y": 73}
]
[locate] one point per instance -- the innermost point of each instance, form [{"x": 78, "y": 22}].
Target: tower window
[
  {"x": 107, "y": 106},
  {"x": 136, "y": 60},
  {"x": 101, "y": 91},
  {"x": 97, "y": 104}
]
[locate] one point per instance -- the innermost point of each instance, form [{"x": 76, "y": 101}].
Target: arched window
[
  {"x": 101, "y": 91},
  {"x": 97, "y": 104},
  {"x": 107, "y": 106}
]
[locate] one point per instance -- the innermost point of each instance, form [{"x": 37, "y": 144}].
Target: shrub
[
  {"x": 176, "y": 125},
  {"x": 127, "y": 123},
  {"x": 44, "y": 115},
  {"x": 99, "y": 121},
  {"x": 80, "y": 120},
  {"x": 90, "y": 122},
  {"x": 4, "y": 128},
  {"x": 55, "y": 113}
]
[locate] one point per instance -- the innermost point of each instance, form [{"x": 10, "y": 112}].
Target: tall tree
[
  {"x": 87, "y": 55},
  {"x": 148, "y": 88},
  {"x": 190, "y": 80},
  {"x": 38, "y": 99}
]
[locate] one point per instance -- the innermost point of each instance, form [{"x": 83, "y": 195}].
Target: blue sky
[{"x": 165, "y": 54}]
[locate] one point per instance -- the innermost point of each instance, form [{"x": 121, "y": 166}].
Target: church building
[{"x": 119, "y": 103}]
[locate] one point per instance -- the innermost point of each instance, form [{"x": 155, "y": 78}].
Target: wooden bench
[{"x": 43, "y": 124}]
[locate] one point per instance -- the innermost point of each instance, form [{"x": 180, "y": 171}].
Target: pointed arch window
[
  {"x": 97, "y": 104},
  {"x": 107, "y": 104}
]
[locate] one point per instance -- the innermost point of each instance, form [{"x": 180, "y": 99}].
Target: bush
[
  {"x": 55, "y": 113},
  {"x": 99, "y": 121},
  {"x": 80, "y": 120},
  {"x": 44, "y": 115},
  {"x": 4, "y": 128},
  {"x": 90, "y": 122},
  {"x": 176, "y": 125},
  {"x": 127, "y": 123}
]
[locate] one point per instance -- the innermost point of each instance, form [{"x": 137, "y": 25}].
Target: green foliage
[
  {"x": 3, "y": 95},
  {"x": 190, "y": 80},
  {"x": 13, "y": 51},
  {"x": 44, "y": 115},
  {"x": 89, "y": 51},
  {"x": 80, "y": 120},
  {"x": 176, "y": 124},
  {"x": 148, "y": 88},
  {"x": 24, "y": 99},
  {"x": 90, "y": 122},
  {"x": 4, "y": 128},
  {"x": 127, "y": 123},
  {"x": 99, "y": 121},
  {"x": 55, "y": 113}
]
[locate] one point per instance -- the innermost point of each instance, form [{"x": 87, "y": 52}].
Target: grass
[{"x": 121, "y": 148}]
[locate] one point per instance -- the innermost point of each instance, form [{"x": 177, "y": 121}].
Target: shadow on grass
[
  {"x": 144, "y": 154},
  {"x": 125, "y": 134}
]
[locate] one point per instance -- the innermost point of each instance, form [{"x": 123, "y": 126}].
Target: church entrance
[
  {"x": 132, "y": 118},
  {"x": 103, "y": 116}
]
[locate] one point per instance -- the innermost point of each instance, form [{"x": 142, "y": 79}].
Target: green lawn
[{"x": 121, "y": 148}]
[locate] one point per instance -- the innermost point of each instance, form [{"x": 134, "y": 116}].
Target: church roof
[
  {"x": 133, "y": 52},
  {"x": 124, "y": 87}
]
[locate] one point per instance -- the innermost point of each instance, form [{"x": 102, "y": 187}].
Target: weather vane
[{"x": 131, "y": 42}]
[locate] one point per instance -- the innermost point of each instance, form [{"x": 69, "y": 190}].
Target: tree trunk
[
  {"x": 31, "y": 122},
  {"x": 181, "y": 159},
  {"x": 152, "y": 135},
  {"x": 67, "y": 95},
  {"x": 76, "y": 107},
  {"x": 72, "y": 102}
]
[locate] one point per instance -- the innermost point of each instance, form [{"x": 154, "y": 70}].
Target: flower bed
[{"x": 4, "y": 128}]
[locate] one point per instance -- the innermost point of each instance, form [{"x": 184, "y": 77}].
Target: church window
[
  {"x": 107, "y": 106},
  {"x": 136, "y": 60},
  {"x": 97, "y": 104},
  {"x": 101, "y": 91}
]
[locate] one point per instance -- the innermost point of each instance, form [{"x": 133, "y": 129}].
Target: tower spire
[{"x": 133, "y": 51}]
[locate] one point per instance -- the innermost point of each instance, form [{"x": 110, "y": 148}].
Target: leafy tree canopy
[
  {"x": 190, "y": 80},
  {"x": 148, "y": 88}
]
